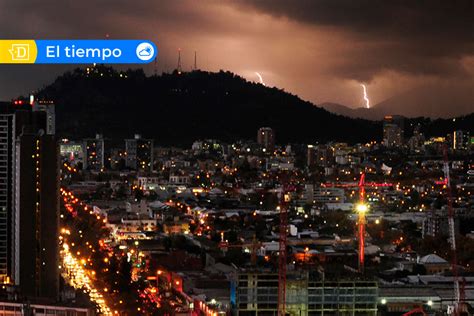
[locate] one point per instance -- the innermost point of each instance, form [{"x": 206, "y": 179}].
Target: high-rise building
[
  {"x": 266, "y": 138},
  {"x": 310, "y": 156},
  {"x": 139, "y": 154},
  {"x": 319, "y": 155},
  {"x": 94, "y": 153},
  {"x": 7, "y": 220},
  {"x": 435, "y": 224},
  {"x": 393, "y": 130},
  {"x": 49, "y": 108},
  {"x": 417, "y": 141},
  {"x": 461, "y": 140},
  {"x": 29, "y": 201},
  {"x": 37, "y": 203}
]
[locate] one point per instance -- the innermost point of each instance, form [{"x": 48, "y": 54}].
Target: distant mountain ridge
[
  {"x": 434, "y": 101},
  {"x": 373, "y": 114}
]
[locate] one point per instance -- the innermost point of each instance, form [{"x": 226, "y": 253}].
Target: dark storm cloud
[
  {"x": 319, "y": 49},
  {"x": 408, "y": 19},
  {"x": 427, "y": 37},
  {"x": 87, "y": 18}
]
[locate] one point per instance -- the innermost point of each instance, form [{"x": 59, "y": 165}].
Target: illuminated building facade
[
  {"x": 94, "y": 153},
  {"x": 7, "y": 141},
  {"x": 72, "y": 151},
  {"x": 461, "y": 140},
  {"x": 139, "y": 154},
  {"x": 393, "y": 130},
  {"x": 30, "y": 209}
]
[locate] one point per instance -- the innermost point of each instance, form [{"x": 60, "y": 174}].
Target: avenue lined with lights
[
  {"x": 89, "y": 264},
  {"x": 75, "y": 274}
]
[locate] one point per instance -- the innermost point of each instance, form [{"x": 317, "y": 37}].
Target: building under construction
[{"x": 307, "y": 293}]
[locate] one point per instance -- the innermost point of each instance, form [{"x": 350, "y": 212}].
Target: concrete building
[
  {"x": 7, "y": 149},
  {"x": 393, "y": 130},
  {"x": 257, "y": 294},
  {"x": 49, "y": 108},
  {"x": 179, "y": 178},
  {"x": 311, "y": 155},
  {"x": 148, "y": 183},
  {"x": 319, "y": 155},
  {"x": 461, "y": 140},
  {"x": 280, "y": 163},
  {"x": 402, "y": 299},
  {"x": 324, "y": 195},
  {"x": 139, "y": 154},
  {"x": 417, "y": 141},
  {"x": 10, "y": 308},
  {"x": 436, "y": 224},
  {"x": 433, "y": 292},
  {"x": 94, "y": 153},
  {"x": 29, "y": 202},
  {"x": 266, "y": 138},
  {"x": 37, "y": 200},
  {"x": 434, "y": 264}
]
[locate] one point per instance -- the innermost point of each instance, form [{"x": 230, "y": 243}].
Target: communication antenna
[
  {"x": 179, "y": 61},
  {"x": 458, "y": 290},
  {"x": 195, "y": 60}
]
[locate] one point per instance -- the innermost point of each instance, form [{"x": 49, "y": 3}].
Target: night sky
[{"x": 320, "y": 50}]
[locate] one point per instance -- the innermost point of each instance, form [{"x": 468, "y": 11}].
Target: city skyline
[{"x": 186, "y": 171}]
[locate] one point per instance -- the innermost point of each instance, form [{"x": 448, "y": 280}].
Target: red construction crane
[
  {"x": 452, "y": 233},
  {"x": 415, "y": 311},
  {"x": 356, "y": 184},
  {"x": 282, "y": 253},
  {"x": 361, "y": 209}
]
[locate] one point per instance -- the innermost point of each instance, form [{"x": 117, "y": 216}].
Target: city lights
[
  {"x": 76, "y": 276},
  {"x": 362, "y": 208},
  {"x": 327, "y": 169}
]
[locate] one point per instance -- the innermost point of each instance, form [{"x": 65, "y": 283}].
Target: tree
[{"x": 125, "y": 274}]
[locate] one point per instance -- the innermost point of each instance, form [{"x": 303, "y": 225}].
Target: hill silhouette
[{"x": 177, "y": 108}]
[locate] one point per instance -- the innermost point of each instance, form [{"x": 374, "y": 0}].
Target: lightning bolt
[
  {"x": 366, "y": 97},
  {"x": 260, "y": 78}
]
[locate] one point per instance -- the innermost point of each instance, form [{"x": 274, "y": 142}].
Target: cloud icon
[{"x": 145, "y": 52}]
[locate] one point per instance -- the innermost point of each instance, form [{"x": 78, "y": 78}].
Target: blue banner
[{"x": 95, "y": 51}]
